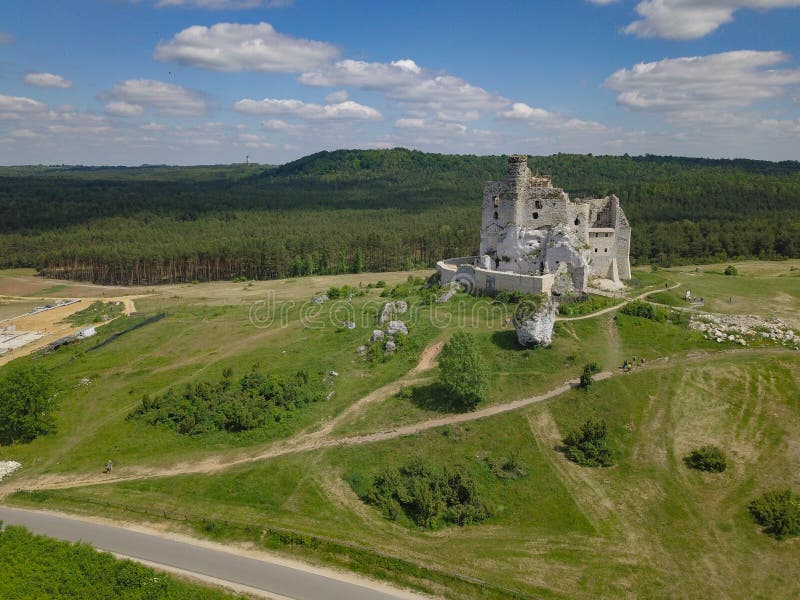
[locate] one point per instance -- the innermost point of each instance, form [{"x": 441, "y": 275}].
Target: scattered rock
[
  {"x": 396, "y": 327},
  {"x": 7, "y": 467},
  {"x": 333, "y": 373},
  {"x": 320, "y": 299},
  {"x": 740, "y": 328},
  {"x": 362, "y": 350},
  {"x": 392, "y": 309},
  {"x": 350, "y": 325},
  {"x": 451, "y": 289},
  {"x": 330, "y": 395},
  {"x": 390, "y": 346},
  {"x": 377, "y": 334}
]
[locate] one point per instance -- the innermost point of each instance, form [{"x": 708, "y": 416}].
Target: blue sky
[{"x": 213, "y": 81}]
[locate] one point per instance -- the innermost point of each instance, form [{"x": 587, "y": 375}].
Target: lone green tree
[
  {"x": 27, "y": 399},
  {"x": 462, "y": 371},
  {"x": 587, "y": 376}
]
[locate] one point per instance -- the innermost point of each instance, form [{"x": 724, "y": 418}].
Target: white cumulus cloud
[
  {"x": 347, "y": 110},
  {"x": 692, "y": 19},
  {"x": 164, "y": 98},
  {"x": 12, "y": 107},
  {"x": 47, "y": 80},
  {"x": 540, "y": 117},
  {"x": 339, "y": 96},
  {"x": 236, "y": 47},
  {"x": 405, "y": 81},
  {"x": 124, "y": 109},
  {"x": 703, "y": 87}
]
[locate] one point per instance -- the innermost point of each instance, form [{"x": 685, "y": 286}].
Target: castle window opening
[
  {"x": 595, "y": 249},
  {"x": 496, "y": 216},
  {"x": 606, "y": 250},
  {"x": 535, "y": 215},
  {"x": 497, "y": 200},
  {"x": 606, "y": 235},
  {"x": 538, "y": 204},
  {"x": 577, "y": 222}
]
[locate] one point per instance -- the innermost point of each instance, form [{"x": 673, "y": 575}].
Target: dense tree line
[{"x": 372, "y": 210}]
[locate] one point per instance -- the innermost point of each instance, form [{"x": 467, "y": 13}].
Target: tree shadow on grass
[
  {"x": 434, "y": 397},
  {"x": 506, "y": 340}
]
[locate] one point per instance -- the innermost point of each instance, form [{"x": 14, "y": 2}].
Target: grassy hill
[{"x": 646, "y": 527}]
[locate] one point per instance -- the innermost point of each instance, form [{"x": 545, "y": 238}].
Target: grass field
[{"x": 647, "y": 527}]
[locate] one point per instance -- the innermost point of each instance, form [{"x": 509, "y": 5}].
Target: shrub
[
  {"x": 27, "y": 401},
  {"x": 430, "y": 496},
  {"x": 778, "y": 512},
  {"x": 588, "y": 446},
  {"x": 589, "y": 370},
  {"x": 462, "y": 371},
  {"x": 510, "y": 467},
  {"x": 731, "y": 270},
  {"x": 707, "y": 458},
  {"x": 257, "y": 400}
]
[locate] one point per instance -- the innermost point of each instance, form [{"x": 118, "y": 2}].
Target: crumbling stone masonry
[{"x": 536, "y": 240}]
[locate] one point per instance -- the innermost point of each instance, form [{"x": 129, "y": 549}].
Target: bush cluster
[
  {"x": 588, "y": 446},
  {"x": 707, "y": 458},
  {"x": 778, "y": 512},
  {"x": 412, "y": 286},
  {"x": 344, "y": 292},
  {"x": 27, "y": 402},
  {"x": 508, "y": 467},
  {"x": 731, "y": 270},
  {"x": 256, "y": 400},
  {"x": 429, "y": 495},
  {"x": 645, "y": 310}
]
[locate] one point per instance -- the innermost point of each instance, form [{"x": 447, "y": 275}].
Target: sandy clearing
[{"x": 50, "y": 323}]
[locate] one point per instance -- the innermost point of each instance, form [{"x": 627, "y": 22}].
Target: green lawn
[{"x": 647, "y": 527}]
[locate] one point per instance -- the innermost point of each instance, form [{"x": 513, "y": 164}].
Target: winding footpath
[{"x": 323, "y": 437}]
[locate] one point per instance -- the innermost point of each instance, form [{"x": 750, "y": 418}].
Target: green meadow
[{"x": 646, "y": 527}]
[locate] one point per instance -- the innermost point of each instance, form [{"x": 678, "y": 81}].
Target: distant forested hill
[{"x": 352, "y": 210}]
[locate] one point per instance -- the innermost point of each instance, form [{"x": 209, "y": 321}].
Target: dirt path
[
  {"x": 427, "y": 360},
  {"x": 617, "y": 306},
  {"x": 314, "y": 441}
]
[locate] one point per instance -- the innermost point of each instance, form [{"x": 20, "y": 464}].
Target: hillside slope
[{"x": 376, "y": 210}]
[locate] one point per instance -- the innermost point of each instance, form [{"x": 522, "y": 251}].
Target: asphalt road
[{"x": 270, "y": 577}]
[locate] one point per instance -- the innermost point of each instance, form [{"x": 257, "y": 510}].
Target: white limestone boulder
[{"x": 534, "y": 321}]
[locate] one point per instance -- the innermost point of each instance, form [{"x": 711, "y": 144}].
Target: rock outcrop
[
  {"x": 534, "y": 321},
  {"x": 391, "y": 310},
  {"x": 396, "y": 327}
]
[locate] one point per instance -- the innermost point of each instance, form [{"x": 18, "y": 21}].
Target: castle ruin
[{"x": 534, "y": 239}]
